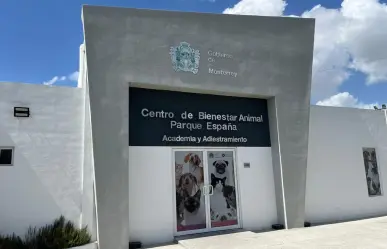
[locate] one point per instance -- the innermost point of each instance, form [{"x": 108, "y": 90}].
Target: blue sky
[{"x": 40, "y": 39}]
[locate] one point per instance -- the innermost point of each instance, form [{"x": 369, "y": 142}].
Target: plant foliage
[
  {"x": 58, "y": 235},
  {"x": 12, "y": 242}
]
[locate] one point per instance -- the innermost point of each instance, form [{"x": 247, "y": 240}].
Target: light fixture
[{"x": 23, "y": 112}]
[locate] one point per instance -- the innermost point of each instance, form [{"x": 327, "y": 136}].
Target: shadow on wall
[
  {"x": 45, "y": 179},
  {"x": 24, "y": 199}
]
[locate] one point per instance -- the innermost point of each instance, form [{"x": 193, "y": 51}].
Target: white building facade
[
  {"x": 50, "y": 175},
  {"x": 147, "y": 155}
]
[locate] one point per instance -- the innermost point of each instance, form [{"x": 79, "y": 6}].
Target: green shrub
[
  {"x": 58, "y": 235},
  {"x": 12, "y": 242}
]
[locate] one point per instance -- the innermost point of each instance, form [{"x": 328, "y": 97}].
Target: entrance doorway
[{"x": 206, "y": 191}]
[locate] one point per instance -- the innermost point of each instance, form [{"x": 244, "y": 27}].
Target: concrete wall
[
  {"x": 151, "y": 207},
  {"x": 336, "y": 188},
  {"x": 129, "y": 46},
  {"x": 256, "y": 188},
  {"x": 46, "y": 179},
  {"x": 89, "y": 213}
]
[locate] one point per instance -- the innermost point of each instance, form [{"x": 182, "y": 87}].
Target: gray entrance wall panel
[
  {"x": 272, "y": 56},
  {"x": 275, "y": 152}
]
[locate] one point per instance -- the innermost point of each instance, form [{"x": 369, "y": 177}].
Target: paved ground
[{"x": 365, "y": 234}]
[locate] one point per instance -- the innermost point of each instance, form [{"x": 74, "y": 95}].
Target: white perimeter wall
[
  {"x": 53, "y": 175},
  {"x": 336, "y": 187},
  {"x": 151, "y": 208},
  {"x": 46, "y": 179}
]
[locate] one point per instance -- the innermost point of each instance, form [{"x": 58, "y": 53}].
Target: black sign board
[{"x": 168, "y": 118}]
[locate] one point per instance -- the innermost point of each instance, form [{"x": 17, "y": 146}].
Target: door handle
[
  {"x": 211, "y": 189},
  {"x": 205, "y": 190},
  {"x": 208, "y": 190}
]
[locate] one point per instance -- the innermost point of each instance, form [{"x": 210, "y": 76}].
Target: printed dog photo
[
  {"x": 372, "y": 172},
  {"x": 181, "y": 195},
  {"x": 188, "y": 196},
  {"x": 195, "y": 166},
  {"x": 188, "y": 183},
  {"x": 223, "y": 201},
  {"x": 194, "y": 210},
  {"x": 373, "y": 182},
  {"x": 190, "y": 206},
  {"x": 222, "y": 168},
  {"x": 192, "y": 203}
]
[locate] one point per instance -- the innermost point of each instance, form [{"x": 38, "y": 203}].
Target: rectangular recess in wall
[
  {"x": 246, "y": 165},
  {"x": 23, "y": 112},
  {"x": 6, "y": 156},
  {"x": 372, "y": 172}
]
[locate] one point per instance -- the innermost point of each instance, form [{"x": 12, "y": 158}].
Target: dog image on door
[
  {"x": 223, "y": 199},
  {"x": 190, "y": 206}
]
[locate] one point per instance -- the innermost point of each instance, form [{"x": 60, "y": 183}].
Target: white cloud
[
  {"x": 74, "y": 76},
  {"x": 330, "y": 58},
  {"x": 345, "y": 99},
  {"x": 365, "y": 35},
  {"x": 348, "y": 38},
  {"x": 71, "y": 77},
  {"x": 54, "y": 80},
  {"x": 351, "y": 37},
  {"x": 258, "y": 7}
]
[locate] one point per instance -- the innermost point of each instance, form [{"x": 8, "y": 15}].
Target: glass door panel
[
  {"x": 222, "y": 193},
  {"x": 190, "y": 189}
]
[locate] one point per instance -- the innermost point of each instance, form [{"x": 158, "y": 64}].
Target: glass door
[
  {"x": 205, "y": 190},
  {"x": 191, "y": 191},
  {"x": 223, "y": 190}
]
